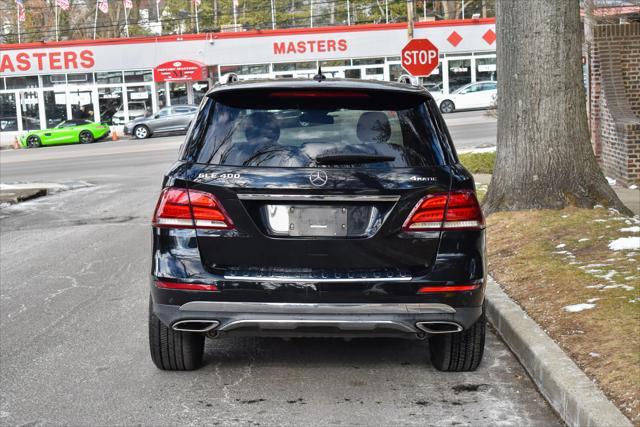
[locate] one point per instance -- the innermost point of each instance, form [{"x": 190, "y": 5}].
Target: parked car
[
  {"x": 66, "y": 132},
  {"x": 136, "y": 109},
  {"x": 168, "y": 119},
  {"x": 472, "y": 95},
  {"x": 363, "y": 224}
]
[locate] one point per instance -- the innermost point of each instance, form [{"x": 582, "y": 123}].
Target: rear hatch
[{"x": 316, "y": 183}]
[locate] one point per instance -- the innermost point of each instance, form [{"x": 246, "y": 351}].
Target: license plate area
[{"x": 307, "y": 220}]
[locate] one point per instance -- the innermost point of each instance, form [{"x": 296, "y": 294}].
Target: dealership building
[{"x": 114, "y": 80}]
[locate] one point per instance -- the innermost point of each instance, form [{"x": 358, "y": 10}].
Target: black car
[{"x": 360, "y": 221}]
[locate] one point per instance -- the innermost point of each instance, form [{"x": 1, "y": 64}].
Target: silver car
[{"x": 168, "y": 119}]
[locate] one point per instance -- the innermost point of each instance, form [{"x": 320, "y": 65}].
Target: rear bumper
[{"x": 319, "y": 319}]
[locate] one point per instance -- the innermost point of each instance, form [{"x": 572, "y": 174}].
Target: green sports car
[{"x": 67, "y": 132}]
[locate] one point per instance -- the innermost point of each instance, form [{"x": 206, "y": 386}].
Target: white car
[
  {"x": 136, "y": 109},
  {"x": 472, "y": 95}
]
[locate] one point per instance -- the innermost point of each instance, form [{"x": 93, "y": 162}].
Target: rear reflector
[
  {"x": 182, "y": 208},
  {"x": 453, "y": 210},
  {"x": 186, "y": 286},
  {"x": 454, "y": 288}
]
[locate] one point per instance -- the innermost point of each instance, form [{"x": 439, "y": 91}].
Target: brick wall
[{"x": 615, "y": 100}]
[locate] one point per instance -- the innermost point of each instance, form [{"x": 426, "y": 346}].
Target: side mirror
[{"x": 156, "y": 116}]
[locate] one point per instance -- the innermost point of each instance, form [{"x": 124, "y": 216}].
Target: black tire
[
  {"x": 173, "y": 350},
  {"x": 447, "y": 106},
  {"x": 460, "y": 351},
  {"x": 33, "y": 141},
  {"x": 86, "y": 137},
  {"x": 141, "y": 132}
]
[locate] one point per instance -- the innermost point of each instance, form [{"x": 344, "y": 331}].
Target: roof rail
[{"x": 407, "y": 79}]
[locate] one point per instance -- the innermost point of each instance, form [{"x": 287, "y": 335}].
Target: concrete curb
[{"x": 570, "y": 392}]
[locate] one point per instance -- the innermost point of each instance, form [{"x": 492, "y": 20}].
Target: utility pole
[
  {"x": 311, "y": 13},
  {"x": 348, "y": 13},
  {"x": 410, "y": 19},
  {"x": 273, "y": 16}
]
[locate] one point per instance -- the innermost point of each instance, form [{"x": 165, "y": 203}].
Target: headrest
[
  {"x": 373, "y": 127},
  {"x": 261, "y": 127}
]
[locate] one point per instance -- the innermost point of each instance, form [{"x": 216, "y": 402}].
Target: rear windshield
[{"x": 293, "y": 129}]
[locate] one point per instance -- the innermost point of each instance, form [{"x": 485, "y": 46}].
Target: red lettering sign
[
  {"x": 309, "y": 46},
  {"x": 179, "y": 71},
  {"x": 53, "y": 60}
]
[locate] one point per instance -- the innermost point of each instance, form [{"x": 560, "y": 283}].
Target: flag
[
  {"x": 22, "y": 16},
  {"x": 63, "y": 4},
  {"x": 103, "y": 5},
  {"x": 128, "y": 4}
]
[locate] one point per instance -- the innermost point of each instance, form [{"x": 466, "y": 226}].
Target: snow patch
[
  {"x": 634, "y": 229},
  {"x": 578, "y": 307},
  {"x": 560, "y": 246},
  {"x": 584, "y": 239},
  {"x": 592, "y": 300},
  {"x": 592, "y": 354},
  {"x": 633, "y": 187},
  {"x": 611, "y": 181},
  {"x": 625, "y": 244}
]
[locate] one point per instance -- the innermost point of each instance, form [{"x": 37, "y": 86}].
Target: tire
[
  {"x": 447, "y": 106},
  {"x": 173, "y": 350},
  {"x": 33, "y": 141},
  {"x": 141, "y": 132},
  {"x": 460, "y": 351},
  {"x": 86, "y": 137}
]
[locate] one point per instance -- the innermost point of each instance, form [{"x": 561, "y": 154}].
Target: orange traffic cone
[
  {"x": 114, "y": 135},
  {"x": 16, "y": 144}
]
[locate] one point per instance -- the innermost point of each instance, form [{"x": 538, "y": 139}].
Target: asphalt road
[{"x": 73, "y": 335}]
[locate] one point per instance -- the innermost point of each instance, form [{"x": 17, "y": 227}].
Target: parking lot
[{"x": 74, "y": 304}]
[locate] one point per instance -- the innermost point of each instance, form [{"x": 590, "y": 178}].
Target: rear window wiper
[{"x": 350, "y": 159}]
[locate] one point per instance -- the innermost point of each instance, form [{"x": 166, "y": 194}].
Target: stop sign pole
[{"x": 420, "y": 57}]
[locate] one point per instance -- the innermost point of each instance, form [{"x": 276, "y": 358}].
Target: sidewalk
[{"x": 629, "y": 197}]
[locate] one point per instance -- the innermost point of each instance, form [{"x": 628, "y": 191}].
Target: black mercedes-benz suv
[{"x": 318, "y": 208}]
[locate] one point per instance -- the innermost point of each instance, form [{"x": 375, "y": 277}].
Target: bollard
[{"x": 114, "y": 135}]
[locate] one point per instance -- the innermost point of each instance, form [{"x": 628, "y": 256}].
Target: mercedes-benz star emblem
[{"x": 318, "y": 178}]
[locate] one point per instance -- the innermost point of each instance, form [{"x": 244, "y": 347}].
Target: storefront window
[
  {"x": 292, "y": 66},
  {"x": 8, "y": 116},
  {"x": 81, "y": 104},
  {"x": 459, "y": 73},
  {"x": 138, "y": 76},
  {"x": 486, "y": 69},
  {"x": 29, "y": 108},
  {"x": 51, "y": 80},
  {"x": 353, "y": 74},
  {"x": 199, "y": 91},
  {"x": 368, "y": 61},
  {"x": 245, "y": 69},
  {"x": 161, "y": 94},
  {"x": 178, "y": 93},
  {"x": 55, "y": 107},
  {"x": 22, "y": 82},
  {"x": 110, "y": 101},
  {"x": 80, "y": 78},
  {"x": 139, "y": 101},
  {"x": 111, "y": 77},
  {"x": 395, "y": 71},
  {"x": 336, "y": 63},
  {"x": 433, "y": 82}
]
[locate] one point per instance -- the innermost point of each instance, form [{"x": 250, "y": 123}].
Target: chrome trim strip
[
  {"x": 423, "y": 326},
  {"x": 345, "y": 325},
  {"x": 324, "y": 198},
  {"x": 212, "y": 325},
  {"x": 316, "y": 308},
  {"x": 277, "y": 279}
]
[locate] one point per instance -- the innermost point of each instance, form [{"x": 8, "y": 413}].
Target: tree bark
[{"x": 544, "y": 157}]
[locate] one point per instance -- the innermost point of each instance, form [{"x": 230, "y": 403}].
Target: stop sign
[{"x": 420, "y": 57}]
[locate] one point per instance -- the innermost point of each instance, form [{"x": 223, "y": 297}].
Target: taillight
[
  {"x": 187, "y": 286},
  {"x": 182, "y": 208},
  {"x": 452, "y": 288},
  {"x": 453, "y": 210}
]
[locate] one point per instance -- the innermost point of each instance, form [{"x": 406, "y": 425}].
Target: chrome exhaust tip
[
  {"x": 438, "y": 327},
  {"x": 195, "y": 325}
]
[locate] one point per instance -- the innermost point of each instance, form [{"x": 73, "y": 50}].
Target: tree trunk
[{"x": 544, "y": 156}]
